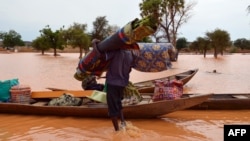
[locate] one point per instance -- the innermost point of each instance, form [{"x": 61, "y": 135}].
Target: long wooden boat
[
  {"x": 148, "y": 86},
  {"x": 144, "y": 109},
  {"x": 237, "y": 101}
]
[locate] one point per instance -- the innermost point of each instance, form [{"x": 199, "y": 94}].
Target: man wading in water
[{"x": 117, "y": 78}]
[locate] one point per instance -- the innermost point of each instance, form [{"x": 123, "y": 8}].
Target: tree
[
  {"x": 150, "y": 10},
  {"x": 53, "y": 39},
  {"x": 173, "y": 13},
  {"x": 147, "y": 40},
  {"x": 40, "y": 44},
  {"x": 1, "y": 35},
  {"x": 11, "y": 39},
  {"x": 101, "y": 29},
  {"x": 195, "y": 46},
  {"x": 181, "y": 43},
  {"x": 219, "y": 40},
  {"x": 203, "y": 44},
  {"x": 76, "y": 37},
  {"x": 242, "y": 43}
]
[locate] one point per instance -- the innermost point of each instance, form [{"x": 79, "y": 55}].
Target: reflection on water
[{"x": 47, "y": 71}]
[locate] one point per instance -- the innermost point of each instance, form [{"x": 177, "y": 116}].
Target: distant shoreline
[{"x": 76, "y": 50}]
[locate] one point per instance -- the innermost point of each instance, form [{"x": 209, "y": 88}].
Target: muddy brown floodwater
[{"x": 39, "y": 72}]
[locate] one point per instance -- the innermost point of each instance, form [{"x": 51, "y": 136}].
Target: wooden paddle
[{"x": 56, "y": 89}]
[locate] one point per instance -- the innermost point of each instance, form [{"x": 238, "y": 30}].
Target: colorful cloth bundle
[
  {"x": 65, "y": 99},
  {"x": 154, "y": 57},
  {"x": 167, "y": 90},
  {"x": 126, "y": 37},
  {"x": 94, "y": 62}
]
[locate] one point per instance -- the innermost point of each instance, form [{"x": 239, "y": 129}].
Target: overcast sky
[{"x": 27, "y": 17}]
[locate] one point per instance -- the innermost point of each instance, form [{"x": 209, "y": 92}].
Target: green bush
[{"x": 233, "y": 50}]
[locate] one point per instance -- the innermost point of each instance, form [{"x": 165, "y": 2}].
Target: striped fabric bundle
[{"x": 93, "y": 64}]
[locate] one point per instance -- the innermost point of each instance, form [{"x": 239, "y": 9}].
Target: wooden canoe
[
  {"x": 145, "y": 109},
  {"x": 237, "y": 101},
  {"x": 148, "y": 86}
]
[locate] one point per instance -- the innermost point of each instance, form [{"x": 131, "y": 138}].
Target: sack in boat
[
  {"x": 167, "y": 90},
  {"x": 5, "y": 87},
  {"x": 131, "y": 95},
  {"x": 66, "y": 100}
]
